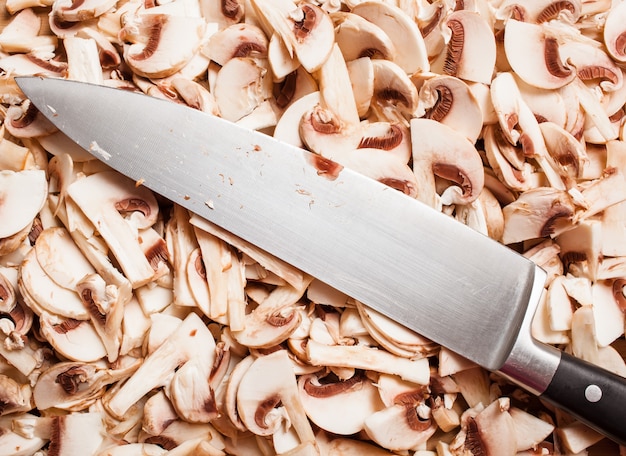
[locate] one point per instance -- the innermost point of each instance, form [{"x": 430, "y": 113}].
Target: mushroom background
[{"x": 129, "y": 326}]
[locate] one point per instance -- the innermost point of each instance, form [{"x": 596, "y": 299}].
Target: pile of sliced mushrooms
[{"x": 129, "y": 326}]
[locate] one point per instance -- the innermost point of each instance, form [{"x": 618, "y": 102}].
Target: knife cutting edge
[{"x": 417, "y": 266}]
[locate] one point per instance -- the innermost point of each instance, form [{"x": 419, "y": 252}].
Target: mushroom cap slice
[
  {"x": 237, "y": 40},
  {"x": 358, "y": 37},
  {"x": 411, "y": 53},
  {"x": 533, "y": 53},
  {"x": 615, "y": 32},
  {"x": 440, "y": 150},
  {"x": 172, "y": 42},
  {"x": 356, "y": 396},
  {"x": 22, "y": 196},
  {"x": 76, "y": 340}
]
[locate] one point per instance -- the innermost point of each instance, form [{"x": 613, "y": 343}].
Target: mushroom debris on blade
[{"x": 128, "y": 319}]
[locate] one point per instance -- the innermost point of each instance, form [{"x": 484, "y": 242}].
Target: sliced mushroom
[
  {"x": 23, "y": 196},
  {"x": 440, "y": 150},
  {"x": 103, "y": 198},
  {"x": 450, "y": 101},
  {"x": 411, "y": 54},
  {"x": 471, "y": 41},
  {"x": 171, "y": 43},
  {"x": 358, "y": 37},
  {"x": 614, "y": 33},
  {"x": 25, "y": 121},
  {"x": 76, "y": 340},
  {"x": 237, "y": 40},
  {"x": 533, "y": 53},
  {"x": 267, "y": 395}
]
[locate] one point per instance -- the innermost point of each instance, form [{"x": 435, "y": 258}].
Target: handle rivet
[{"x": 593, "y": 393}]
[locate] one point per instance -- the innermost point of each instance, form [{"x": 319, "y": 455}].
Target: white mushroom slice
[
  {"x": 71, "y": 11},
  {"x": 306, "y": 30},
  {"x": 76, "y": 340},
  {"x": 42, "y": 294},
  {"x": 539, "y": 11},
  {"x": 492, "y": 430},
  {"x": 103, "y": 197},
  {"x": 191, "y": 338},
  {"x": 73, "y": 386},
  {"x": 171, "y": 43},
  {"x": 181, "y": 242},
  {"x": 14, "y": 397},
  {"x": 222, "y": 12},
  {"x": 358, "y": 37},
  {"x": 281, "y": 61},
  {"x": 539, "y": 212},
  {"x": 288, "y": 126},
  {"x": 568, "y": 153},
  {"x": 391, "y": 137},
  {"x": 60, "y": 258},
  {"x": 607, "y": 314},
  {"x": 546, "y": 105},
  {"x": 577, "y": 437},
  {"x": 533, "y": 53},
  {"x": 361, "y": 73},
  {"x": 158, "y": 413},
  {"x": 241, "y": 86},
  {"x": 559, "y": 306},
  {"x": 23, "y": 195},
  {"x": 411, "y": 53},
  {"x": 592, "y": 64},
  {"x": 26, "y": 121},
  {"x": 78, "y": 432},
  {"x": 195, "y": 95},
  {"x": 237, "y": 40},
  {"x": 367, "y": 358},
  {"x": 450, "y": 101},
  {"x": 83, "y": 60},
  {"x": 268, "y": 395},
  {"x": 23, "y": 27},
  {"x": 594, "y": 111},
  {"x": 395, "y": 95},
  {"x": 584, "y": 344},
  {"x": 321, "y": 397},
  {"x": 440, "y": 150},
  {"x": 402, "y": 426},
  {"x": 614, "y": 32},
  {"x": 471, "y": 41},
  {"x": 530, "y": 431},
  {"x": 13, "y": 443}
]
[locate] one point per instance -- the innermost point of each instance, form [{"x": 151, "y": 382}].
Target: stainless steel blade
[{"x": 421, "y": 268}]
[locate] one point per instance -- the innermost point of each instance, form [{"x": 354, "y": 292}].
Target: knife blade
[{"x": 419, "y": 267}]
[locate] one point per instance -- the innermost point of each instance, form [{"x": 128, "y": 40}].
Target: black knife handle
[{"x": 593, "y": 395}]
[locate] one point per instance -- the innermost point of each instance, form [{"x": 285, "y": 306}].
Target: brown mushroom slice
[
  {"x": 191, "y": 338},
  {"x": 241, "y": 86},
  {"x": 268, "y": 398},
  {"x": 322, "y": 395},
  {"x": 103, "y": 198},
  {"x": 533, "y": 53},
  {"x": 358, "y": 37},
  {"x": 171, "y": 43},
  {"x": 438, "y": 150},
  {"x": 471, "y": 40},
  {"x": 23, "y": 196},
  {"x": 614, "y": 34},
  {"x": 411, "y": 53},
  {"x": 76, "y": 340},
  {"x": 237, "y": 40},
  {"x": 306, "y": 30},
  {"x": 539, "y": 212},
  {"x": 450, "y": 101}
]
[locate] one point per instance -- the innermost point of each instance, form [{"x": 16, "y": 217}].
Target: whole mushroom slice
[
  {"x": 411, "y": 53},
  {"x": 103, "y": 198},
  {"x": 450, "y": 101},
  {"x": 592, "y": 64},
  {"x": 358, "y": 37},
  {"x": 23, "y": 194},
  {"x": 395, "y": 96},
  {"x": 539, "y": 11},
  {"x": 25, "y": 121},
  {"x": 471, "y": 41},
  {"x": 306, "y": 29},
  {"x": 438, "y": 150},
  {"x": 322, "y": 395},
  {"x": 171, "y": 43},
  {"x": 539, "y": 212},
  {"x": 237, "y": 40},
  {"x": 533, "y": 52},
  {"x": 268, "y": 398},
  {"x": 76, "y": 340}
]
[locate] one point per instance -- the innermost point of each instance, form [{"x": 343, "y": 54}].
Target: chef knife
[{"x": 419, "y": 267}]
